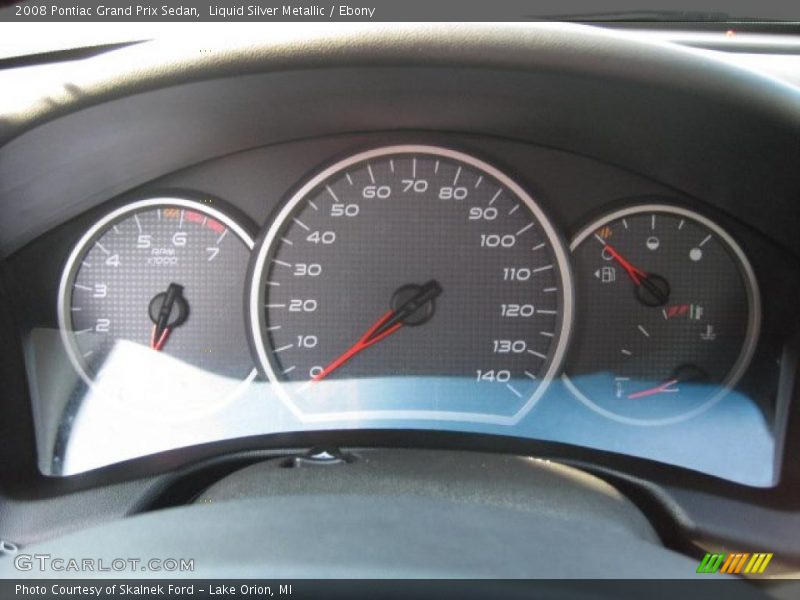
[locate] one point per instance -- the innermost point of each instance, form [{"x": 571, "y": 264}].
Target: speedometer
[{"x": 411, "y": 282}]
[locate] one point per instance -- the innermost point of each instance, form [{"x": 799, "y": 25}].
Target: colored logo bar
[{"x": 735, "y": 563}]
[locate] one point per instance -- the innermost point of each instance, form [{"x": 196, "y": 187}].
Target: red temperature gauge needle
[
  {"x": 664, "y": 388},
  {"x": 635, "y": 273},
  {"x": 390, "y": 322}
]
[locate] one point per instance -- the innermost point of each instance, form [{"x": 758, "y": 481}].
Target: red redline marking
[
  {"x": 215, "y": 225},
  {"x": 193, "y": 217}
]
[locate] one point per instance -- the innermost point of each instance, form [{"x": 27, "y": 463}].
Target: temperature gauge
[{"x": 669, "y": 315}]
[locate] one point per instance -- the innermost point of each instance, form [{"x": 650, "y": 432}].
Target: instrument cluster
[{"x": 409, "y": 286}]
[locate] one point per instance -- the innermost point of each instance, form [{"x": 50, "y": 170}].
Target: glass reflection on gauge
[
  {"x": 669, "y": 315},
  {"x": 166, "y": 274},
  {"x": 411, "y": 282}
]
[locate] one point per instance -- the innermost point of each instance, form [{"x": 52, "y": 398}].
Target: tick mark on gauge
[
  {"x": 273, "y": 328},
  {"x": 330, "y": 191},
  {"x": 282, "y": 263},
  {"x": 548, "y": 334},
  {"x": 103, "y": 248},
  {"x": 314, "y": 206},
  {"x": 222, "y": 236},
  {"x": 680, "y": 225},
  {"x": 625, "y": 223},
  {"x": 540, "y": 311},
  {"x": 289, "y": 369},
  {"x": 116, "y": 229},
  {"x": 391, "y": 165},
  {"x": 180, "y": 222},
  {"x": 458, "y": 173},
  {"x": 86, "y": 264},
  {"x": 644, "y": 331},
  {"x": 705, "y": 239},
  {"x": 301, "y": 224},
  {"x": 282, "y": 348},
  {"x": 540, "y": 269},
  {"x": 88, "y": 354},
  {"x": 413, "y": 168},
  {"x": 530, "y": 375},
  {"x": 273, "y": 283},
  {"x": 538, "y": 246},
  {"x": 496, "y": 196},
  {"x": 80, "y": 331},
  {"x": 513, "y": 390},
  {"x": 550, "y": 290},
  {"x": 524, "y": 229},
  {"x": 626, "y": 352},
  {"x": 285, "y": 241},
  {"x": 349, "y": 179},
  {"x": 275, "y": 305},
  {"x": 436, "y": 167},
  {"x": 652, "y": 222},
  {"x": 82, "y": 287},
  {"x": 371, "y": 174},
  {"x": 477, "y": 183},
  {"x": 513, "y": 210},
  {"x": 138, "y": 223},
  {"x": 537, "y": 354},
  {"x": 76, "y": 309}
]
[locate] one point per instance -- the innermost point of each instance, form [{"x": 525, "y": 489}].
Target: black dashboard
[{"x": 542, "y": 240}]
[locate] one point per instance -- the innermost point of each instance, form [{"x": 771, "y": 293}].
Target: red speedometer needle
[
  {"x": 664, "y": 388},
  {"x": 390, "y": 322},
  {"x": 635, "y": 273},
  {"x": 364, "y": 342}
]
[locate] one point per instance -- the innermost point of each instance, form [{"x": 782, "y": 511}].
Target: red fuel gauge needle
[
  {"x": 635, "y": 273},
  {"x": 664, "y": 388},
  {"x": 651, "y": 290},
  {"x": 390, "y": 322}
]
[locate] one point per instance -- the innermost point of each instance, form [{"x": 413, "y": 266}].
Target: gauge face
[
  {"x": 166, "y": 273},
  {"x": 411, "y": 282},
  {"x": 669, "y": 315}
]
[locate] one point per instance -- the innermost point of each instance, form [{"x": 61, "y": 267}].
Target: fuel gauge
[{"x": 668, "y": 315}]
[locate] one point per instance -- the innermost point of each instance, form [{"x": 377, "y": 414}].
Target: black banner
[
  {"x": 394, "y": 10},
  {"x": 385, "y": 589}
]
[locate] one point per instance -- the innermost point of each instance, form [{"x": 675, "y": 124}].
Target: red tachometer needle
[
  {"x": 635, "y": 273},
  {"x": 390, "y": 322},
  {"x": 158, "y": 344},
  {"x": 664, "y": 388}
]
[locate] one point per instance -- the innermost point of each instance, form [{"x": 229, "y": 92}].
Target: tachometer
[
  {"x": 413, "y": 282},
  {"x": 167, "y": 273},
  {"x": 669, "y": 318}
]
